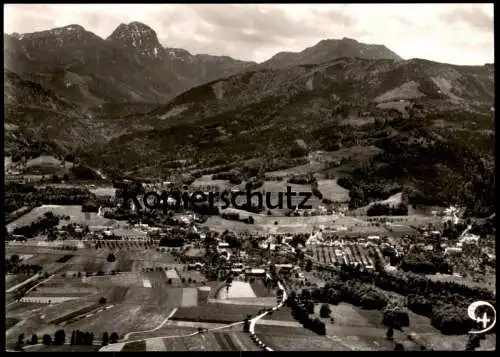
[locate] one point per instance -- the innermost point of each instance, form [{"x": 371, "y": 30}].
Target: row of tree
[
  {"x": 77, "y": 338},
  {"x": 381, "y": 209},
  {"x": 39, "y": 226},
  {"x": 301, "y": 311}
]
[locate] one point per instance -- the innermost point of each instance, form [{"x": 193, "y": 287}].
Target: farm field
[
  {"x": 22, "y": 309},
  {"x": 290, "y": 341},
  {"x": 12, "y": 280},
  {"x": 212, "y": 341},
  {"x": 352, "y": 253},
  {"x": 86, "y": 263},
  {"x": 195, "y": 252},
  {"x": 63, "y": 348},
  {"x": 189, "y": 297},
  {"x": 296, "y": 170},
  {"x": 154, "y": 297},
  {"x": 58, "y": 311},
  {"x": 29, "y": 326},
  {"x": 331, "y": 190},
  {"x": 221, "y": 340},
  {"x": 260, "y": 290},
  {"x": 206, "y": 181},
  {"x": 134, "y": 346},
  {"x": 126, "y": 279},
  {"x": 103, "y": 191},
  {"x": 355, "y": 328},
  {"x": 166, "y": 330},
  {"x": 129, "y": 288},
  {"x": 265, "y": 224},
  {"x": 10, "y": 321},
  {"x": 195, "y": 276},
  {"x": 75, "y": 213},
  {"x": 122, "y": 319},
  {"x": 59, "y": 287},
  {"x": 213, "y": 312},
  {"x": 238, "y": 289},
  {"x": 283, "y": 314}
]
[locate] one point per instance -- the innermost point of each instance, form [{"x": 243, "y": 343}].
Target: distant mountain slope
[
  {"x": 328, "y": 50},
  {"x": 355, "y": 80},
  {"x": 129, "y": 66}
]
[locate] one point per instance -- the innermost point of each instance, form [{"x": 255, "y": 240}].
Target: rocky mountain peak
[{"x": 139, "y": 36}]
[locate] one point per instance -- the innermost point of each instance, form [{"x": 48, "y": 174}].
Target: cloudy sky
[{"x": 451, "y": 33}]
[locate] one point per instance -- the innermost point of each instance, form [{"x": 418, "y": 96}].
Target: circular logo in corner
[{"x": 484, "y": 314}]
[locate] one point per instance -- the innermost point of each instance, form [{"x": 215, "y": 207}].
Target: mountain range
[
  {"x": 128, "y": 104},
  {"x": 132, "y": 66}
]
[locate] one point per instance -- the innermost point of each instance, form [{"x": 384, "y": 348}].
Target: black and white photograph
[{"x": 249, "y": 177}]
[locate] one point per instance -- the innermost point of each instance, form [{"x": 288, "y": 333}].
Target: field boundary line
[
  {"x": 21, "y": 284},
  {"x": 172, "y": 313}
]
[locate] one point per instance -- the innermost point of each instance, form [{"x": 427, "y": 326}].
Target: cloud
[
  {"x": 477, "y": 18},
  {"x": 440, "y": 32}
]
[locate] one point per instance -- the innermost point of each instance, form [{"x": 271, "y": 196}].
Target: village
[{"x": 189, "y": 273}]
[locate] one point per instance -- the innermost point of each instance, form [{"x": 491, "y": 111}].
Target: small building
[
  {"x": 284, "y": 268},
  {"x": 256, "y": 272},
  {"x": 373, "y": 238}
]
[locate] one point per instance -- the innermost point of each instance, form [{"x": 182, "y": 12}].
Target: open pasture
[
  {"x": 85, "y": 263},
  {"x": 122, "y": 319},
  {"x": 205, "y": 183},
  {"x": 64, "y": 286},
  {"x": 153, "y": 297},
  {"x": 189, "y": 297},
  {"x": 195, "y": 252},
  {"x": 283, "y": 314},
  {"x": 237, "y": 289},
  {"x": 260, "y": 290},
  {"x": 296, "y": 170},
  {"x": 211, "y": 341},
  {"x": 333, "y": 191},
  {"x": 64, "y": 348},
  {"x": 213, "y": 312},
  {"x": 23, "y": 309},
  {"x": 58, "y": 311},
  {"x": 103, "y": 191},
  {"x": 74, "y": 212}
]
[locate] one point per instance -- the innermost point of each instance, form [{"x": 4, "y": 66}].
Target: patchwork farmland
[{"x": 348, "y": 253}]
